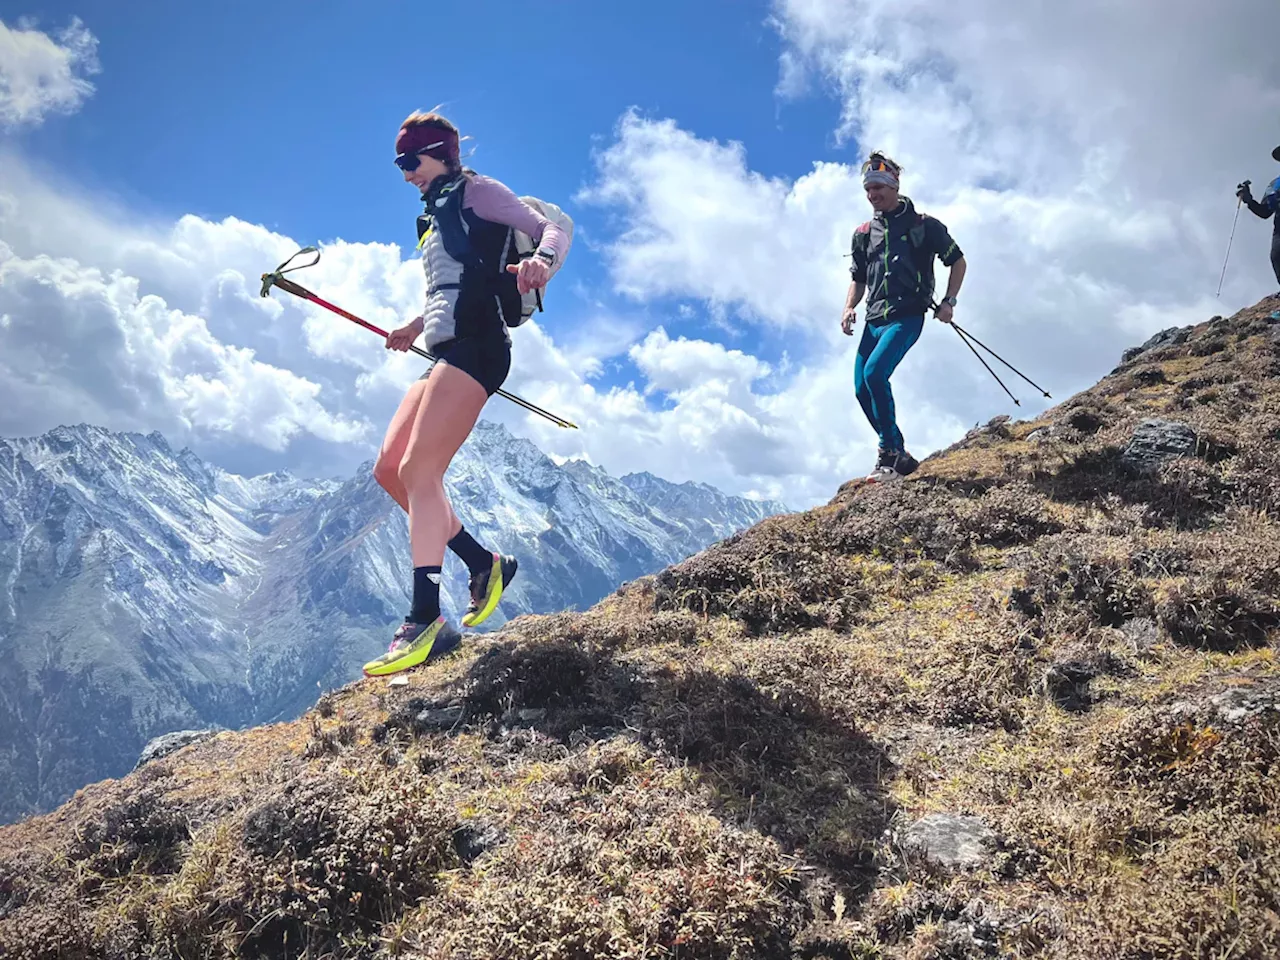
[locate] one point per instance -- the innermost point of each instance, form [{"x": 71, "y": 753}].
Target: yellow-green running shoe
[
  {"x": 414, "y": 643},
  {"x": 486, "y": 589}
]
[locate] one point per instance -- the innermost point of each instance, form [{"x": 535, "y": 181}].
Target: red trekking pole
[{"x": 277, "y": 279}]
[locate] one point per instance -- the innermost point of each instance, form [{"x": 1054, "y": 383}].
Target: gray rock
[
  {"x": 1040, "y": 435},
  {"x": 169, "y": 743},
  {"x": 1241, "y": 703},
  {"x": 438, "y": 718},
  {"x": 1156, "y": 442},
  {"x": 996, "y": 427},
  {"x": 951, "y": 840},
  {"x": 1172, "y": 336},
  {"x": 1231, "y": 707}
]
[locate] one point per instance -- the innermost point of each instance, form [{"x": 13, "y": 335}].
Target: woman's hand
[
  {"x": 402, "y": 337},
  {"x": 531, "y": 274}
]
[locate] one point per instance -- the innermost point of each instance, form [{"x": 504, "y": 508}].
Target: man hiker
[
  {"x": 1268, "y": 206},
  {"x": 893, "y": 258}
]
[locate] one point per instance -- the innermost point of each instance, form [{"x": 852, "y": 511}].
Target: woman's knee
[
  {"x": 386, "y": 470},
  {"x": 417, "y": 467}
]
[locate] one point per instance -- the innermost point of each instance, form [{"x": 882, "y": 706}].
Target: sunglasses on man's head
[
  {"x": 411, "y": 161},
  {"x": 879, "y": 164}
]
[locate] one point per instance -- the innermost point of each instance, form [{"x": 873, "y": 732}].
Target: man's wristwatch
[
  {"x": 949, "y": 300},
  {"x": 547, "y": 257}
]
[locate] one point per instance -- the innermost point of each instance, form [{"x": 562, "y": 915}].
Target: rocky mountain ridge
[{"x": 143, "y": 590}]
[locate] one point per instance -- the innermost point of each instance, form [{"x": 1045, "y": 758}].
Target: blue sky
[
  {"x": 284, "y": 114},
  {"x": 155, "y": 158}
]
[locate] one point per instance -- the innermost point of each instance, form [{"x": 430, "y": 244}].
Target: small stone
[
  {"x": 169, "y": 743},
  {"x": 951, "y": 840},
  {"x": 530, "y": 714},
  {"x": 1156, "y": 442},
  {"x": 399, "y": 680}
]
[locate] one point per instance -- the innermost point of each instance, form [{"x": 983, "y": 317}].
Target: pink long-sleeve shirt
[{"x": 492, "y": 201}]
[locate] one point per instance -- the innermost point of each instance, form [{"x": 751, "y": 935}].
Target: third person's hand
[{"x": 944, "y": 312}]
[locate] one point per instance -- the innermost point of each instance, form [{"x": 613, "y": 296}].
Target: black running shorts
[{"x": 486, "y": 360}]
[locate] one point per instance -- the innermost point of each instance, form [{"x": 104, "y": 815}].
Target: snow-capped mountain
[{"x": 143, "y": 590}]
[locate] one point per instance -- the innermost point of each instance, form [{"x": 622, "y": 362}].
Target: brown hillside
[{"x": 1034, "y": 642}]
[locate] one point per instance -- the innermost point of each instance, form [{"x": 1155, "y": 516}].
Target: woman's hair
[{"x": 432, "y": 118}]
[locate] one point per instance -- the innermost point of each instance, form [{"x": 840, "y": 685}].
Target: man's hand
[
  {"x": 944, "y": 312},
  {"x": 1244, "y": 193},
  {"x": 402, "y": 337},
  {"x": 847, "y": 321}
]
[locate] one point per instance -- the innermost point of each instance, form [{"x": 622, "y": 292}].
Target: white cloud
[
  {"x": 682, "y": 365},
  {"x": 1084, "y": 156},
  {"x": 40, "y": 74},
  {"x": 81, "y": 345}
]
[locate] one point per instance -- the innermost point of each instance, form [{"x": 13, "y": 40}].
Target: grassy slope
[{"x": 720, "y": 761}]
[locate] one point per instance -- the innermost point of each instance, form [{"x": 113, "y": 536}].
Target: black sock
[
  {"x": 426, "y": 595},
  {"x": 476, "y": 557}
]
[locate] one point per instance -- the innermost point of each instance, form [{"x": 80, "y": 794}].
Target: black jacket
[{"x": 893, "y": 255}]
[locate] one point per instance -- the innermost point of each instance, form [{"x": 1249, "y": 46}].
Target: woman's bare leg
[
  {"x": 386, "y": 469},
  {"x": 450, "y": 405}
]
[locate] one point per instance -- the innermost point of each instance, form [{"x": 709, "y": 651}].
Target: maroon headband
[{"x": 436, "y": 142}]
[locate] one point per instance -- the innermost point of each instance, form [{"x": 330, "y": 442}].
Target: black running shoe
[{"x": 904, "y": 464}]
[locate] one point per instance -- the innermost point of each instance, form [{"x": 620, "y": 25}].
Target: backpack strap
[
  {"x": 923, "y": 258},
  {"x": 444, "y": 213},
  {"x": 917, "y": 231}
]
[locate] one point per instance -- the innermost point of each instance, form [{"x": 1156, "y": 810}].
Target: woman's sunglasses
[{"x": 411, "y": 161}]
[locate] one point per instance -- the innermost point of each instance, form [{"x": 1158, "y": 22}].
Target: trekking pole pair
[
  {"x": 969, "y": 340},
  {"x": 276, "y": 278},
  {"x": 1239, "y": 203}
]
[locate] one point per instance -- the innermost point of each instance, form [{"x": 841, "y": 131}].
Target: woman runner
[{"x": 472, "y": 287}]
